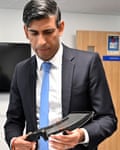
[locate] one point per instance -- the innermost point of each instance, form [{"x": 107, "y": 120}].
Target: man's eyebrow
[{"x": 31, "y": 30}]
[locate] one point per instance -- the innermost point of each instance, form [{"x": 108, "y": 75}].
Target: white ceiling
[{"x": 105, "y": 7}]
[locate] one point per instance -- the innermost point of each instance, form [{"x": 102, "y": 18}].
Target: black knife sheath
[{"x": 70, "y": 122}]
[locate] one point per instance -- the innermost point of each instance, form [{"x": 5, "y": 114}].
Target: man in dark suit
[{"x": 77, "y": 83}]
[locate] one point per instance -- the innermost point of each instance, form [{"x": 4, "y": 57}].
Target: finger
[
  {"x": 33, "y": 146},
  {"x": 58, "y": 145},
  {"x": 69, "y": 140},
  {"x": 21, "y": 143},
  {"x": 66, "y": 132},
  {"x": 63, "y": 138}
]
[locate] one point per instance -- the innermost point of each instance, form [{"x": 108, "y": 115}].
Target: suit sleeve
[
  {"x": 14, "y": 125},
  {"x": 104, "y": 122}
]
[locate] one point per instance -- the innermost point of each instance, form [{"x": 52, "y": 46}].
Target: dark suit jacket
[{"x": 84, "y": 88}]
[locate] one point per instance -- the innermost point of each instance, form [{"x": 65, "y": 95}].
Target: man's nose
[{"x": 41, "y": 39}]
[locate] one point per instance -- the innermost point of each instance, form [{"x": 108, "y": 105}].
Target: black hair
[{"x": 40, "y": 9}]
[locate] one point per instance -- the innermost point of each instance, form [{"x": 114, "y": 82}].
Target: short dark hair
[{"x": 40, "y": 9}]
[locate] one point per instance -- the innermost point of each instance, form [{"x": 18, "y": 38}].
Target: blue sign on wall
[{"x": 111, "y": 58}]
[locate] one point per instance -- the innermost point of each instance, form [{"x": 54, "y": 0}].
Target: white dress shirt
[{"x": 55, "y": 106}]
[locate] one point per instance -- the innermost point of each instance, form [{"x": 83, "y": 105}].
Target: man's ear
[
  {"x": 61, "y": 27},
  {"x": 26, "y": 31}
]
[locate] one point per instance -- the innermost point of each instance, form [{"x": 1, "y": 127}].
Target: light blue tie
[{"x": 44, "y": 103}]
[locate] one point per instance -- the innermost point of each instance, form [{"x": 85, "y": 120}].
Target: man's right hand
[{"x": 19, "y": 143}]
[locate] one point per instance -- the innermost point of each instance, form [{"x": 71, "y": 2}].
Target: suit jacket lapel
[
  {"x": 67, "y": 73},
  {"x": 32, "y": 91}
]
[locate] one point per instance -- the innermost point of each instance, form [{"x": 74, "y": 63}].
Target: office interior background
[{"x": 78, "y": 15}]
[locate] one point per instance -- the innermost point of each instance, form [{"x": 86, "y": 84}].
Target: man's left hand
[{"x": 68, "y": 141}]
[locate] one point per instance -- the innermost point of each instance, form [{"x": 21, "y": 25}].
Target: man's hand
[
  {"x": 64, "y": 142},
  {"x": 20, "y": 143}
]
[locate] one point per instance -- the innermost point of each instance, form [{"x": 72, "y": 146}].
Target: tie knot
[{"x": 46, "y": 66}]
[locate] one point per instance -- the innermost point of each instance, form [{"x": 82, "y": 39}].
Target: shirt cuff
[{"x": 86, "y": 140}]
